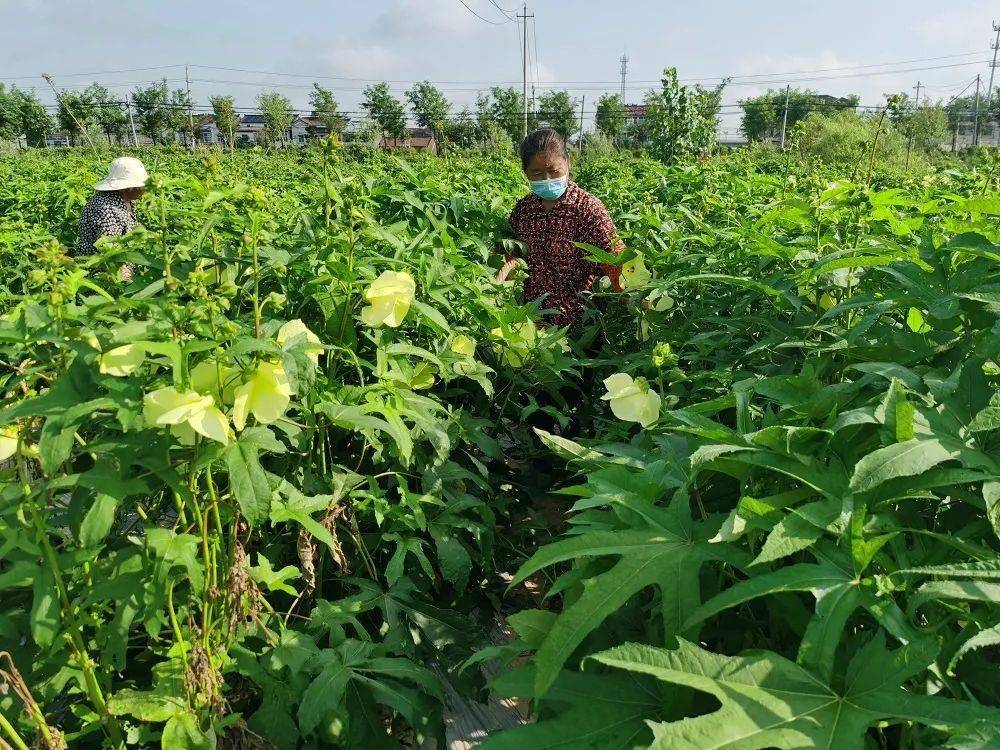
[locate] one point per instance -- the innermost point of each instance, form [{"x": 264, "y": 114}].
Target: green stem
[
  {"x": 256, "y": 289},
  {"x": 12, "y": 734}
]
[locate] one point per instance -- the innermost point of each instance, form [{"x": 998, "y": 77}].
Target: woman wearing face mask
[{"x": 555, "y": 215}]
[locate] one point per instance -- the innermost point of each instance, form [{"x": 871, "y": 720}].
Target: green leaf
[
  {"x": 899, "y": 460},
  {"x": 274, "y": 580},
  {"x": 668, "y": 556},
  {"x": 771, "y": 702},
  {"x": 176, "y": 550},
  {"x": 988, "y": 418},
  {"x": 324, "y": 694},
  {"x": 248, "y": 481},
  {"x": 45, "y": 620},
  {"x": 145, "y": 706},
  {"x": 532, "y": 625},
  {"x": 181, "y": 732},
  {"x": 594, "y": 712},
  {"x": 980, "y": 735},
  {"x": 98, "y": 520},
  {"x": 800, "y": 529}
]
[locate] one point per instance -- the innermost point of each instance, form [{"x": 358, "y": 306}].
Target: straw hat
[{"x": 124, "y": 172}]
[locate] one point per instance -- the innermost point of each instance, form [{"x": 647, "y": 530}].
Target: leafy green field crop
[{"x": 270, "y": 491}]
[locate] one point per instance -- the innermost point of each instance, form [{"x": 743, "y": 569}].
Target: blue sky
[{"x": 578, "y": 45}]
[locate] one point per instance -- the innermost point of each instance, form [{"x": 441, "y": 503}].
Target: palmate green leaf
[
  {"x": 274, "y": 580},
  {"x": 771, "y": 702},
  {"x": 838, "y": 593},
  {"x": 668, "y": 555},
  {"x": 988, "y": 418},
  {"x": 594, "y": 712}
]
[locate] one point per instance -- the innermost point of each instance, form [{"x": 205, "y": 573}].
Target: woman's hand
[{"x": 506, "y": 269}]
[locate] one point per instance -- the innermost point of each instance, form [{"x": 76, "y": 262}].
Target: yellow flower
[
  {"x": 423, "y": 376},
  {"x": 122, "y": 360},
  {"x": 635, "y": 273},
  {"x": 295, "y": 328},
  {"x": 8, "y": 442},
  {"x": 186, "y": 413},
  {"x": 464, "y": 345},
  {"x": 389, "y": 298},
  {"x": 520, "y": 340},
  {"x": 265, "y": 395},
  {"x": 213, "y": 379},
  {"x": 632, "y": 400}
]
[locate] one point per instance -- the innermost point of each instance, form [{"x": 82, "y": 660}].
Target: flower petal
[
  {"x": 8, "y": 443},
  {"x": 123, "y": 360},
  {"x": 211, "y": 423}
]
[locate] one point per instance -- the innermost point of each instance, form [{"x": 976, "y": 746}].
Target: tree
[
  {"x": 108, "y": 113},
  {"x": 610, "y": 116},
  {"x": 430, "y": 107},
  {"x": 35, "y": 121},
  {"x": 924, "y": 127},
  {"x": 557, "y": 110},
  {"x": 507, "y": 110},
  {"x": 152, "y": 111},
  {"x": 385, "y": 109},
  {"x": 324, "y": 108},
  {"x": 764, "y": 115},
  {"x": 22, "y": 113},
  {"x": 462, "y": 130},
  {"x": 181, "y": 121},
  {"x": 10, "y": 118},
  {"x": 226, "y": 119},
  {"x": 681, "y": 121},
  {"x": 278, "y": 115},
  {"x": 75, "y": 113}
]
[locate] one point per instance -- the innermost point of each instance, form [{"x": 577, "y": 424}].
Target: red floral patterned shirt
[{"x": 557, "y": 268}]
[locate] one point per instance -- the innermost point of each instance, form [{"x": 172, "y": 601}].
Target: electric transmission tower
[{"x": 624, "y": 70}]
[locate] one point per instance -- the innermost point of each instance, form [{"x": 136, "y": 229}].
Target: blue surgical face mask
[{"x": 549, "y": 190}]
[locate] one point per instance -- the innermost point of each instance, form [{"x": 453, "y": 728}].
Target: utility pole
[
  {"x": 128, "y": 106},
  {"x": 784, "y": 121},
  {"x": 187, "y": 82},
  {"x": 523, "y": 15},
  {"x": 583, "y": 101},
  {"x": 993, "y": 68},
  {"x": 909, "y": 140},
  {"x": 624, "y": 62},
  {"x": 975, "y": 128}
]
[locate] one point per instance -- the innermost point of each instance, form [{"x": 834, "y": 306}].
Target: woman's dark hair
[{"x": 541, "y": 141}]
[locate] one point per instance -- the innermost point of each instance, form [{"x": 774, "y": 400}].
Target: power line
[
  {"x": 481, "y": 18},
  {"x": 508, "y": 13}
]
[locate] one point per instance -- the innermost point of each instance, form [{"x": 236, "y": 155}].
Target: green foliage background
[{"x": 801, "y": 552}]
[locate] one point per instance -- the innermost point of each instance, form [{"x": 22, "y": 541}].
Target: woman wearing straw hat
[{"x": 110, "y": 211}]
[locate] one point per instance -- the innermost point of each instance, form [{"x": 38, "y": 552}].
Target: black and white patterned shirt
[{"x": 106, "y": 214}]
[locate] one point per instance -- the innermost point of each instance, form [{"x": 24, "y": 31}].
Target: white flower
[
  {"x": 122, "y": 360},
  {"x": 185, "y": 412},
  {"x": 632, "y": 400},
  {"x": 295, "y": 328},
  {"x": 265, "y": 395},
  {"x": 389, "y": 298}
]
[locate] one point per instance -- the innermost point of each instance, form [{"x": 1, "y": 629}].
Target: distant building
[
  {"x": 416, "y": 139},
  {"x": 635, "y": 114}
]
